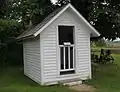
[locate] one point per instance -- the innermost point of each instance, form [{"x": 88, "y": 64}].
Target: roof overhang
[{"x": 94, "y": 32}]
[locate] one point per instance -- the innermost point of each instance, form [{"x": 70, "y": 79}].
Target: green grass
[
  {"x": 106, "y": 78},
  {"x": 13, "y": 80},
  {"x": 99, "y": 48}
]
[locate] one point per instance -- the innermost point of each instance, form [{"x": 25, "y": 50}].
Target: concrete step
[{"x": 71, "y": 82}]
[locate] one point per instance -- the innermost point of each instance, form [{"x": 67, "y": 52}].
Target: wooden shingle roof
[
  {"x": 33, "y": 29},
  {"x": 36, "y": 30}
]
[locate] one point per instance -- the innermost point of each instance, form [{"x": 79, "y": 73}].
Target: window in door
[{"x": 66, "y": 35}]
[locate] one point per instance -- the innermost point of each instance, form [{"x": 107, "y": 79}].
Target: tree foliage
[
  {"x": 16, "y": 15},
  {"x": 104, "y": 15},
  {"x": 26, "y": 10},
  {"x": 2, "y": 8},
  {"x": 10, "y": 50}
]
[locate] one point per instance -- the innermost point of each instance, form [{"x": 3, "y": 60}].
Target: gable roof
[{"x": 36, "y": 30}]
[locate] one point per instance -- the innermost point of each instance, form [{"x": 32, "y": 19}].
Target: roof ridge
[{"x": 32, "y": 30}]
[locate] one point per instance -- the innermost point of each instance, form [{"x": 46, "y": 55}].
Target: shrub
[{"x": 10, "y": 50}]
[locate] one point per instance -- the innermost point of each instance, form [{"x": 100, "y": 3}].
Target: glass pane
[
  {"x": 62, "y": 58},
  {"x": 71, "y": 57},
  {"x": 65, "y": 34},
  {"x": 66, "y": 58}
]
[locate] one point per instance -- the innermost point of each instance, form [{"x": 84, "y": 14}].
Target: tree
[
  {"x": 2, "y": 2},
  {"x": 2, "y": 7},
  {"x": 104, "y": 15},
  {"x": 15, "y": 18},
  {"x": 29, "y": 10},
  {"x": 9, "y": 48},
  {"x": 80, "y": 5}
]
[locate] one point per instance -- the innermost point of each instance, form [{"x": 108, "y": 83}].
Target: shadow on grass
[
  {"x": 13, "y": 76},
  {"x": 12, "y": 79}
]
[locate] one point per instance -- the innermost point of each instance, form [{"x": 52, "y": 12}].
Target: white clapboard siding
[
  {"x": 83, "y": 55},
  {"x": 51, "y": 57},
  {"x": 32, "y": 59},
  {"x": 49, "y": 43},
  {"x": 82, "y": 48},
  {"x": 82, "y": 43}
]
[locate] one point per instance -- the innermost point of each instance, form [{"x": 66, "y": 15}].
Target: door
[{"x": 66, "y": 46}]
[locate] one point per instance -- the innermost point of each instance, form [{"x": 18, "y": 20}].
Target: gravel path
[{"x": 83, "y": 88}]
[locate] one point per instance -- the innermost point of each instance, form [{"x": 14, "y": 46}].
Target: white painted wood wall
[
  {"x": 51, "y": 59},
  {"x": 44, "y": 68},
  {"x": 31, "y": 49}
]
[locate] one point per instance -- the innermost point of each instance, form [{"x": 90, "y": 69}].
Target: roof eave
[
  {"x": 55, "y": 17},
  {"x": 69, "y": 5},
  {"x": 95, "y": 32},
  {"x": 90, "y": 26},
  {"x": 24, "y": 38}
]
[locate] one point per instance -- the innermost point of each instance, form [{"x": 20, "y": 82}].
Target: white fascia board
[
  {"x": 55, "y": 17},
  {"x": 92, "y": 28}
]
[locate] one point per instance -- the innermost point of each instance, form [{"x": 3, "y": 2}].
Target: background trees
[
  {"x": 16, "y": 15},
  {"x": 104, "y": 15}
]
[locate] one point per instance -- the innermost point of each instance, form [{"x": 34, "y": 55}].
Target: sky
[
  {"x": 117, "y": 39},
  {"x": 53, "y": 1}
]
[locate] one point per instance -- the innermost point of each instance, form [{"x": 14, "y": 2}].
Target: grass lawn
[
  {"x": 106, "y": 78},
  {"x": 113, "y": 50},
  {"x": 13, "y": 80}
]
